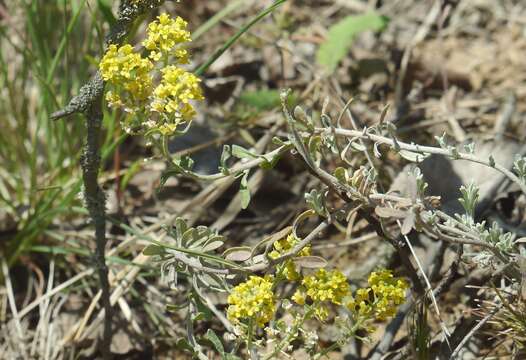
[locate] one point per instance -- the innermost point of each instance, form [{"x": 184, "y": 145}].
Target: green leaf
[
  {"x": 269, "y": 162},
  {"x": 214, "y": 339},
  {"x": 225, "y": 155},
  {"x": 242, "y": 153},
  {"x": 239, "y": 253},
  {"x": 152, "y": 250},
  {"x": 183, "y": 344},
  {"x": 342, "y": 34},
  {"x": 213, "y": 245},
  {"x": 413, "y": 156},
  {"x": 310, "y": 262},
  {"x": 341, "y": 174}
]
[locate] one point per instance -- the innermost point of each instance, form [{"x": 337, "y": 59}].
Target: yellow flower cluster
[
  {"x": 173, "y": 96},
  {"x": 326, "y": 285},
  {"x": 288, "y": 269},
  {"x": 130, "y": 77},
  {"x": 164, "y": 34},
  {"x": 252, "y": 299},
  {"x": 389, "y": 292},
  {"x": 320, "y": 287},
  {"x": 382, "y": 298},
  {"x": 128, "y": 71}
]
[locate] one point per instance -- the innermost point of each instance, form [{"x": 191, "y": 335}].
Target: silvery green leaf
[
  {"x": 316, "y": 201},
  {"x": 314, "y": 145},
  {"x": 412, "y": 156},
  {"x": 211, "y": 246},
  {"x": 277, "y": 141},
  {"x": 341, "y": 174},
  {"x": 388, "y": 212},
  {"x": 225, "y": 155},
  {"x": 242, "y": 153},
  {"x": 519, "y": 166},
  {"x": 211, "y": 281},
  {"x": 442, "y": 141},
  {"x": 269, "y": 161},
  {"x": 180, "y": 227},
  {"x": 259, "y": 258},
  {"x": 357, "y": 146},
  {"x": 189, "y": 237},
  {"x": 240, "y": 253},
  {"x": 310, "y": 262},
  {"x": 470, "y": 148}
]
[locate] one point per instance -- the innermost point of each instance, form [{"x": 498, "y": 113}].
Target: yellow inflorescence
[
  {"x": 327, "y": 286},
  {"x": 252, "y": 299},
  {"x": 323, "y": 286},
  {"x": 128, "y": 71},
  {"x": 164, "y": 34},
  {"x": 288, "y": 269},
  {"x": 382, "y": 298},
  {"x": 130, "y": 76},
  {"x": 389, "y": 292},
  {"x": 173, "y": 96}
]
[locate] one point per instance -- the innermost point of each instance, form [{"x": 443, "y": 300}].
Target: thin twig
[
  {"x": 474, "y": 330},
  {"x": 425, "y": 150}
]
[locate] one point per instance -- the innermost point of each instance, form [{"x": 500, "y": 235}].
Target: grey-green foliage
[
  {"x": 520, "y": 167},
  {"x": 496, "y": 236},
  {"x": 316, "y": 201},
  {"x": 470, "y": 196},
  {"x": 191, "y": 251}
]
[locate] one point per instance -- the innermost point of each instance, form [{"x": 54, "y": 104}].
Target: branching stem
[{"x": 95, "y": 202}]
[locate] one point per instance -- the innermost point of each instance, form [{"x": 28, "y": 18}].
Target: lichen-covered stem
[{"x": 95, "y": 202}]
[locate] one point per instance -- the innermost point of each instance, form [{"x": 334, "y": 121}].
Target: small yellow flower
[
  {"x": 288, "y": 269},
  {"x": 172, "y": 97},
  {"x": 327, "y": 286},
  {"x": 299, "y": 297},
  {"x": 381, "y": 299},
  {"x": 164, "y": 34},
  {"x": 252, "y": 299},
  {"x": 321, "y": 311},
  {"x": 114, "y": 100},
  {"x": 127, "y": 70}
]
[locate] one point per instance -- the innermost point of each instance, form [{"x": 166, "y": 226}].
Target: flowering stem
[
  {"x": 290, "y": 336},
  {"x": 250, "y": 347}
]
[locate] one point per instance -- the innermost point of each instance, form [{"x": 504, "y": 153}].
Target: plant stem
[
  {"x": 252, "y": 352},
  {"x": 201, "y": 69},
  {"x": 327, "y": 350},
  {"x": 95, "y": 202}
]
